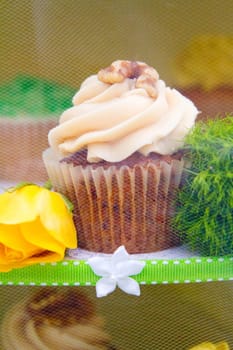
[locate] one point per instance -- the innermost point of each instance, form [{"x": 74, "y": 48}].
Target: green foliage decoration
[{"x": 204, "y": 217}]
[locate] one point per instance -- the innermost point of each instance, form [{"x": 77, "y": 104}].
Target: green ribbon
[{"x": 78, "y": 272}]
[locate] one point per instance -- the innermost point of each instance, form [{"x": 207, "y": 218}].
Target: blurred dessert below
[
  {"x": 204, "y": 73},
  {"x": 55, "y": 318},
  {"x": 29, "y": 107},
  {"x": 211, "y": 346}
]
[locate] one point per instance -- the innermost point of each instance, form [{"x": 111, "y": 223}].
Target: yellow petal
[
  {"x": 46, "y": 257},
  {"x": 4, "y": 264},
  {"x": 35, "y": 233},
  {"x": 15, "y": 244},
  {"x": 35, "y": 226},
  {"x": 19, "y": 205},
  {"x": 17, "y": 248},
  {"x": 57, "y": 219}
]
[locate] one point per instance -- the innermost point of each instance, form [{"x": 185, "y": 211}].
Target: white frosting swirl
[
  {"x": 115, "y": 120},
  {"x": 19, "y": 332}
]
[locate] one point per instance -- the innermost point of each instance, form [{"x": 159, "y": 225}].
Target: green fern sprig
[{"x": 204, "y": 215}]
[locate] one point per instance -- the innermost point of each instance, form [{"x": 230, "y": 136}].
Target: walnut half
[{"x": 146, "y": 76}]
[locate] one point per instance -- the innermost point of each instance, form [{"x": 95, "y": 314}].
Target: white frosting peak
[{"x": 115, "y": 120}]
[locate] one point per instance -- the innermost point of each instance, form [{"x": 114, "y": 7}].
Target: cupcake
[
  {"x": 211, "y": 346},
  {"x": 29, "y": 108},
  {"x": 204, "y": 73},
  {"x": 115, "y": 154},
  {"x": 54, "y": 318}
]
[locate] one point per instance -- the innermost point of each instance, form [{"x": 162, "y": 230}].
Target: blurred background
[{"x": 68, "y": 40}]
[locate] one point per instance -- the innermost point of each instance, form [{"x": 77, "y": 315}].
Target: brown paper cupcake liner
[{"x": 130, "y": 206}]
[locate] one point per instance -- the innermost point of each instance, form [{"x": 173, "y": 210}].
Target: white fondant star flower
[{"x": 115, "y": 271}]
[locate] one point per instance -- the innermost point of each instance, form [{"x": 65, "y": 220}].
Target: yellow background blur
[{"x": 67, "y": 40}]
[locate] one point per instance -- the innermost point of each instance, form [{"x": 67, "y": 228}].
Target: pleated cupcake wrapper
[
  {"x": 22, "y": 142},
  {"x": 121, "y": 206}
]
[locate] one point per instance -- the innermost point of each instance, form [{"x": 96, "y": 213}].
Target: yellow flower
[{"x": 35, "y": 226}]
